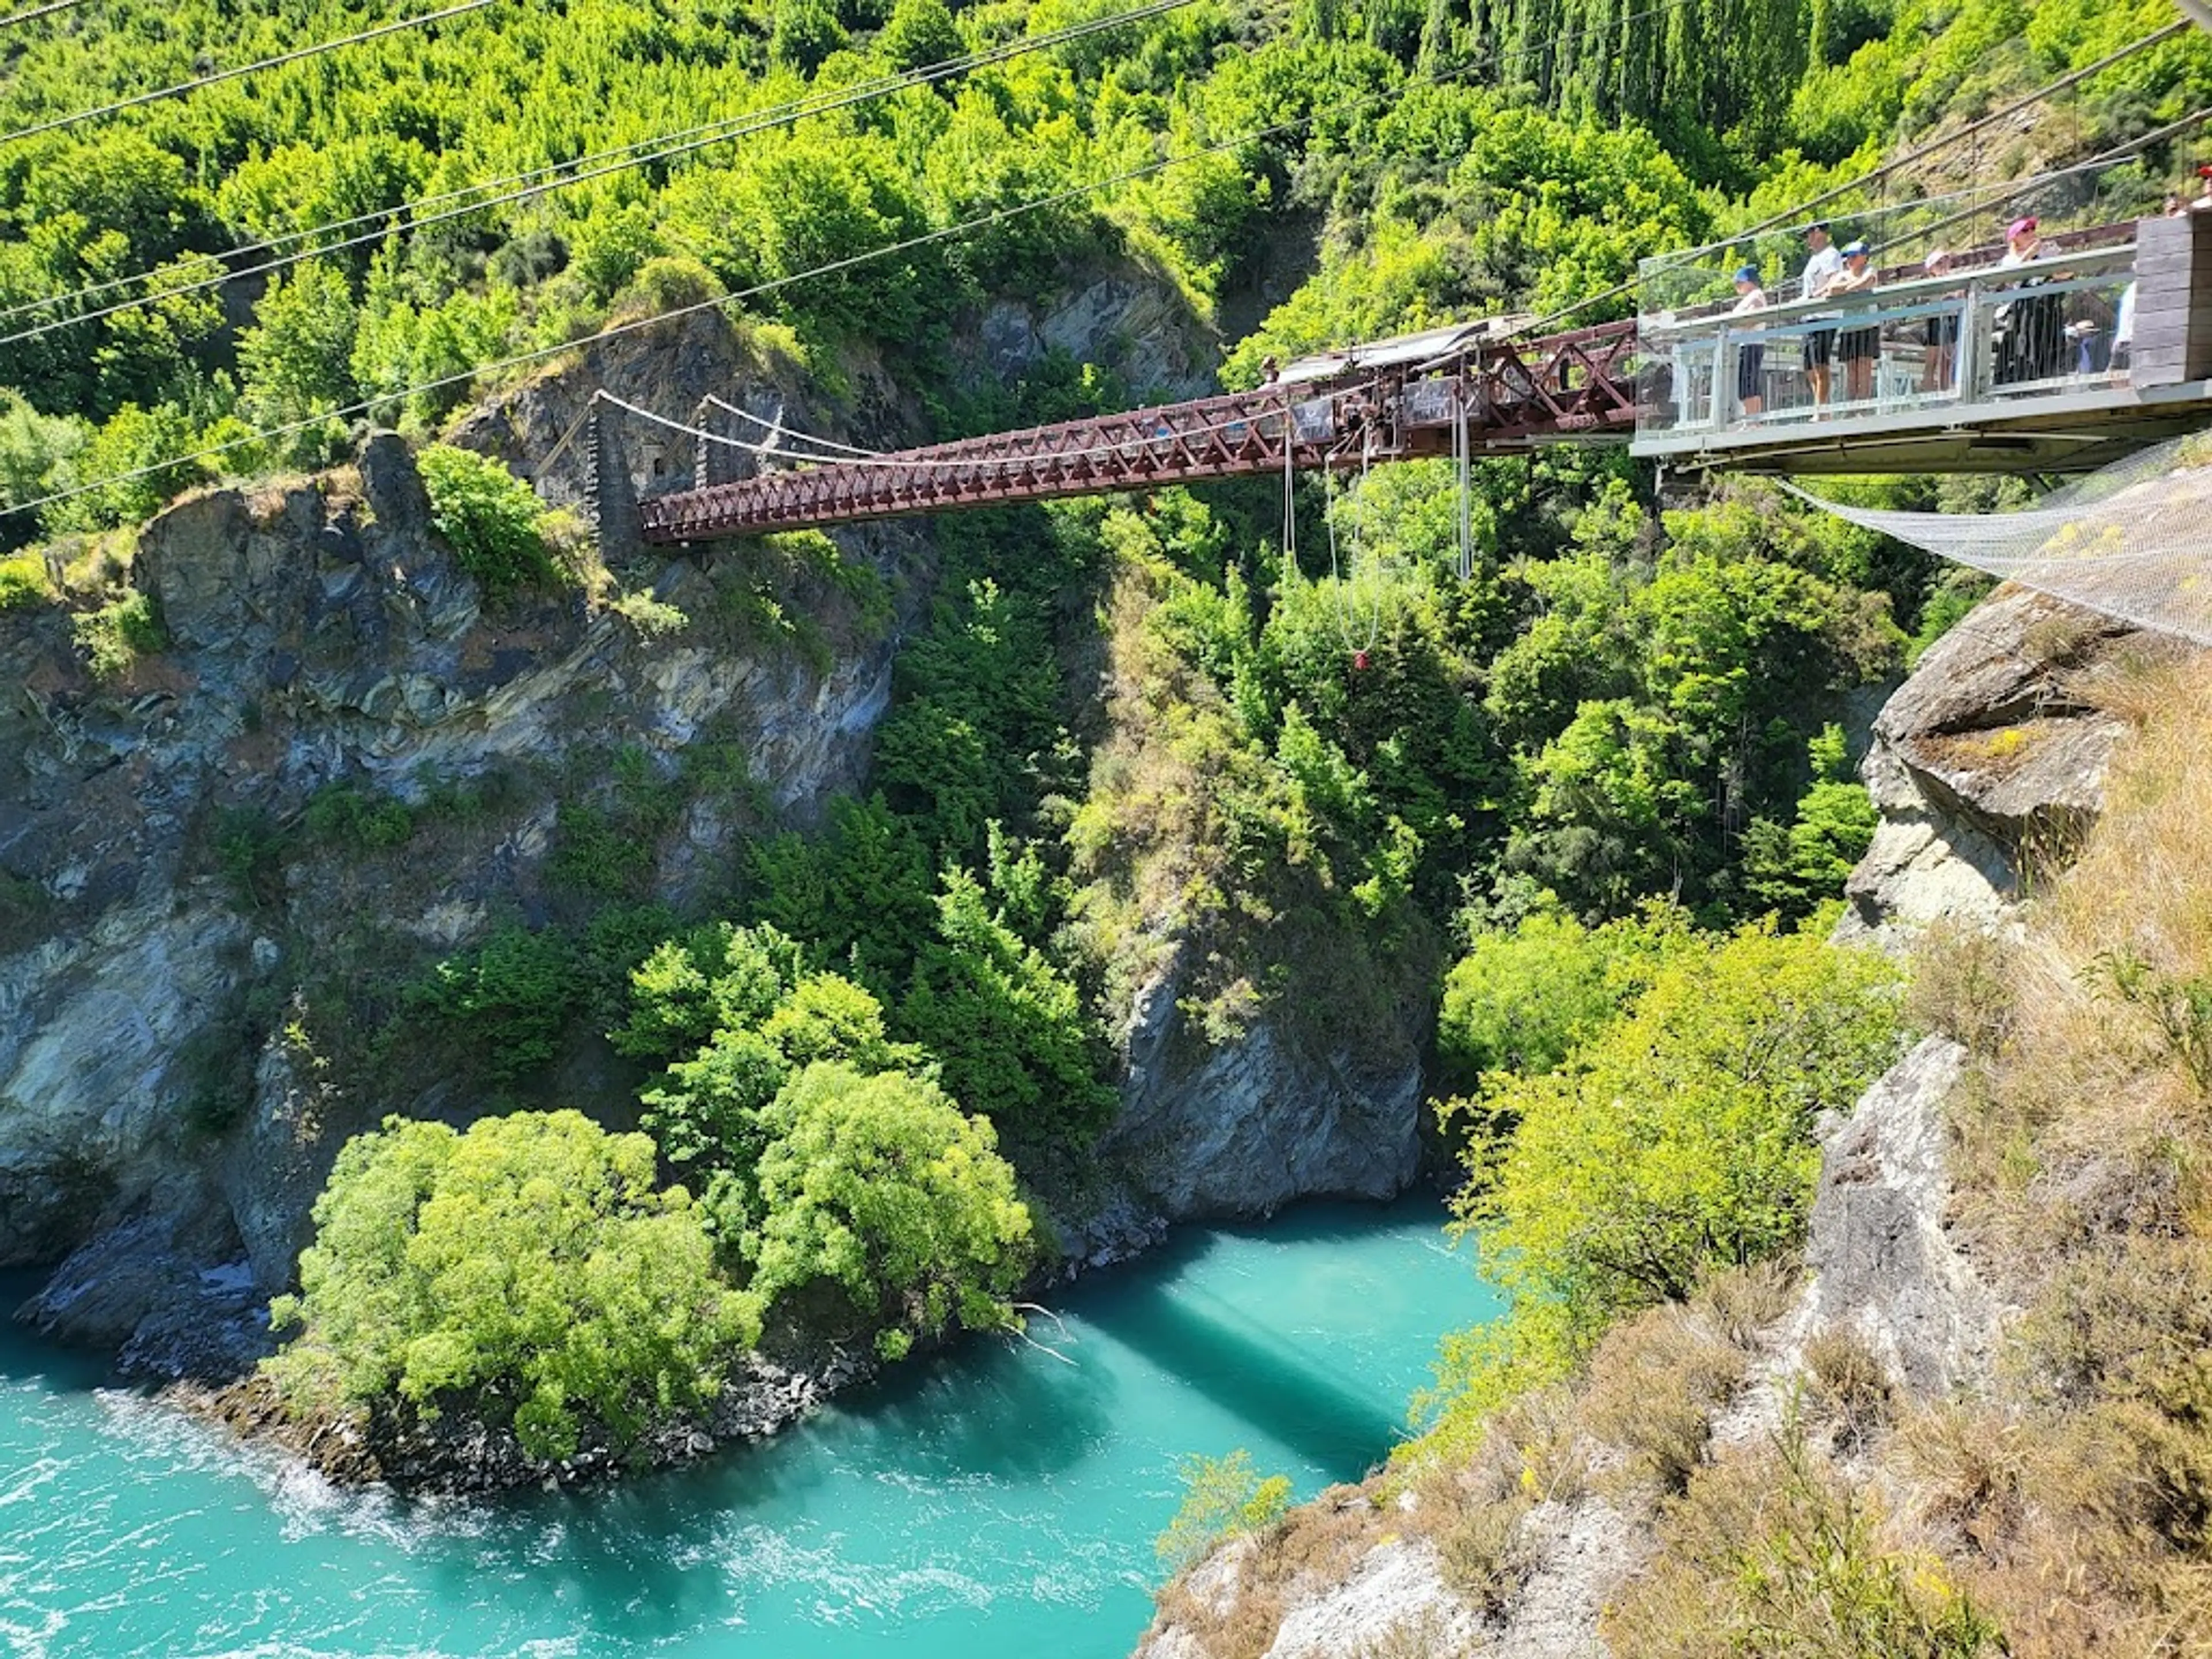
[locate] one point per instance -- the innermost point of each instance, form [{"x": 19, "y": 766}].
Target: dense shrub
[
  {"x": 1674, "y": 1142},
  {"x": 488, "y": 516},
  {"x": 528, "y": 1270}
]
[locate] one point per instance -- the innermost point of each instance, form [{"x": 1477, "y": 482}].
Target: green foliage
[
  {"x": 488, "y": 517},
  {"x": 1676, "y": 1141},
  {"x": 2179, "y": 1007},
  {"x": 528, "y": 1271},
  {"x": 1224, "y": 1498},
  {"x": 23, "y": 583},
  {"x": 878, "y": 1185},
  {"x": 1805, "y": 865},
  {"x": 32, "y": 447},
  {"x": 114, "y": 636},
  {"x": 1008, "y": 1027},
  {"x": 506, "y": 1004},
  {"x": 296, "y": 361},
  {"x": 1522, "y": 1000},
  {"x": 714, "y": 978},
  {"x": 359, "y": 818}
]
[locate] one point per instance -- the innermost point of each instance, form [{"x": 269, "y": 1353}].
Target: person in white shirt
[
  {"x": 1750, "y": 356},
  {"x": 2031, "y": 328},
  {"x": 1822, "y": 267}
]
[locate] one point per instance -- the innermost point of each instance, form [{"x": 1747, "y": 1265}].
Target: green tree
[
  {"x": 1807, "y": 863},
  {"x": 880, "y": 1186},
  {"x": 506, "y": 1004},
  {"x": 1676, "y": 1141},
  {"x": 920, "y": 32},
  {"x": 1008, "y": 1027},
  {"x": 1224, "y": 1498},
  {"x": 297, "y": 359},
  {"x": 527, "y": 1272}
]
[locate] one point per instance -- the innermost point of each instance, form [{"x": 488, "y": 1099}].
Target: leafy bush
[
  {"x": 1223, "y": 1498},
  {"x": 505, "y": 1003},
  {"x": 360, "y": 818},
  {"x": 1009, "y": 1027},
  {"x": 1523, "y": 1001},
  {"x": 23, "y": 583},
  {"x": 118, "y": 633},
  {"x": 1675, "y": 1141},
  {"x": 527, "y": 1271},
  {"x": 878, "y": 1185},
  {"x": 488, "y": 516}
]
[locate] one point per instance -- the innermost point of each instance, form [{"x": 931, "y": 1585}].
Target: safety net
[{"x": 2130, "y": 541}]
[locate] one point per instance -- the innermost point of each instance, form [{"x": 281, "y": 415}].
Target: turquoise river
[{"x": 999, "y": 1502}]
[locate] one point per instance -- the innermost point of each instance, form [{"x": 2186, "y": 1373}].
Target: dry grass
[
  {"x": 1232, "y": 1603},
  {"x": 1847, "y": 1385},
  {"x": 1655, "y": 1384},
  {"x": 2076, "y": 1506}
]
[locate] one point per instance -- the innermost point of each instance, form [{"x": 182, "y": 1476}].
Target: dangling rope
[
  {"x": 1361, "y": 654},
  {"x": 1463, "y": 464},
  {"x": 1289, "y": 504}
]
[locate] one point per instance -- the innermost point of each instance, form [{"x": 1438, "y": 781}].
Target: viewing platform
[{"x": 2098, "y": 344}]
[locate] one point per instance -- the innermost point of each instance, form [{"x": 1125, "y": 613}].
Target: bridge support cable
[
  {"x": 1803, "y": 212},
  {"x": 2128, "y": 542}
]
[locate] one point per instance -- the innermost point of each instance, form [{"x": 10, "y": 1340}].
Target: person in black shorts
[
  {"x": 1940, "y": 367},
  {"x": 1750, "y": 355},
  {"x": 1859, "y": 348},
  {"x": 1822, "y": 267}
]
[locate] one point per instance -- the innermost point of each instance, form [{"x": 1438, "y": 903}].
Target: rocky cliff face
[
  {"x": 182, "y": 927},
  {"x": 1990, "y": 757},
  {"x": 165, "y": 1123}
]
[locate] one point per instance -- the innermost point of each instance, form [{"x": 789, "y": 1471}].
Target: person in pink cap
[
  {"x": 2031, "y": 328},
  {"x": 2022, "y": 243}
]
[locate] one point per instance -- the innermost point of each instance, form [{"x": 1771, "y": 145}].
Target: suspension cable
[
  {"x": 220, "y": 76},
  {"x": 1919, "y": 154},
  {"x": 981, "y": 222},
  {"x": 723, "y": 132},
  {"x": 665, "y": 147},
  {"x": 31, "y": 13},
  {"x": 774, "y": 284}
]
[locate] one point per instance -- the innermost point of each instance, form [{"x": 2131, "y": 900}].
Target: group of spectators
[{"x": 2030, "y": 339}]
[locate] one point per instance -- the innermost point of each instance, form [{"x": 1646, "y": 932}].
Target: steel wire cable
[
  {"x": 686, "y": 143},
  {"x": 997, "y": 216},
  {"x": 220, "y": 76},
  {"x": 32, "y": 13},
  {"x": 1791, "y": 215}
]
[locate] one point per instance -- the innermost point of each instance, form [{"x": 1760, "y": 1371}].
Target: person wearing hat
[
  {"x": 2030, "y": 336},
  {"x": 1822, "y": 267},
  {"x": 1750, "y": 354},
  {"x": 1939, "y": 367},
  {"x": 1859, "y": 348}
]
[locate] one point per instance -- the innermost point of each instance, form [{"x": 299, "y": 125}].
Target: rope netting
[{"x": 2131, "y": 541}]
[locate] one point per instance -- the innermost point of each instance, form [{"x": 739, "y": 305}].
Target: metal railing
[{"x": 2050, "y": 325}]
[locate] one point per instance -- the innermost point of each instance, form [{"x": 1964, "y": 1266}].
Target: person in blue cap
[
  {"x": 1859, "y": 348},
  {"x": 1750, "y": 355}
]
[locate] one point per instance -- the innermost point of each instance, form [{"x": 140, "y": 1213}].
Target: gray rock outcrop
[
  {"x": 1879, "y": 1250},
  {"x": 1992, "y": 753},
  {"x": 1244, "y": 1128},
  {"x": 151, "y": 842}
]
